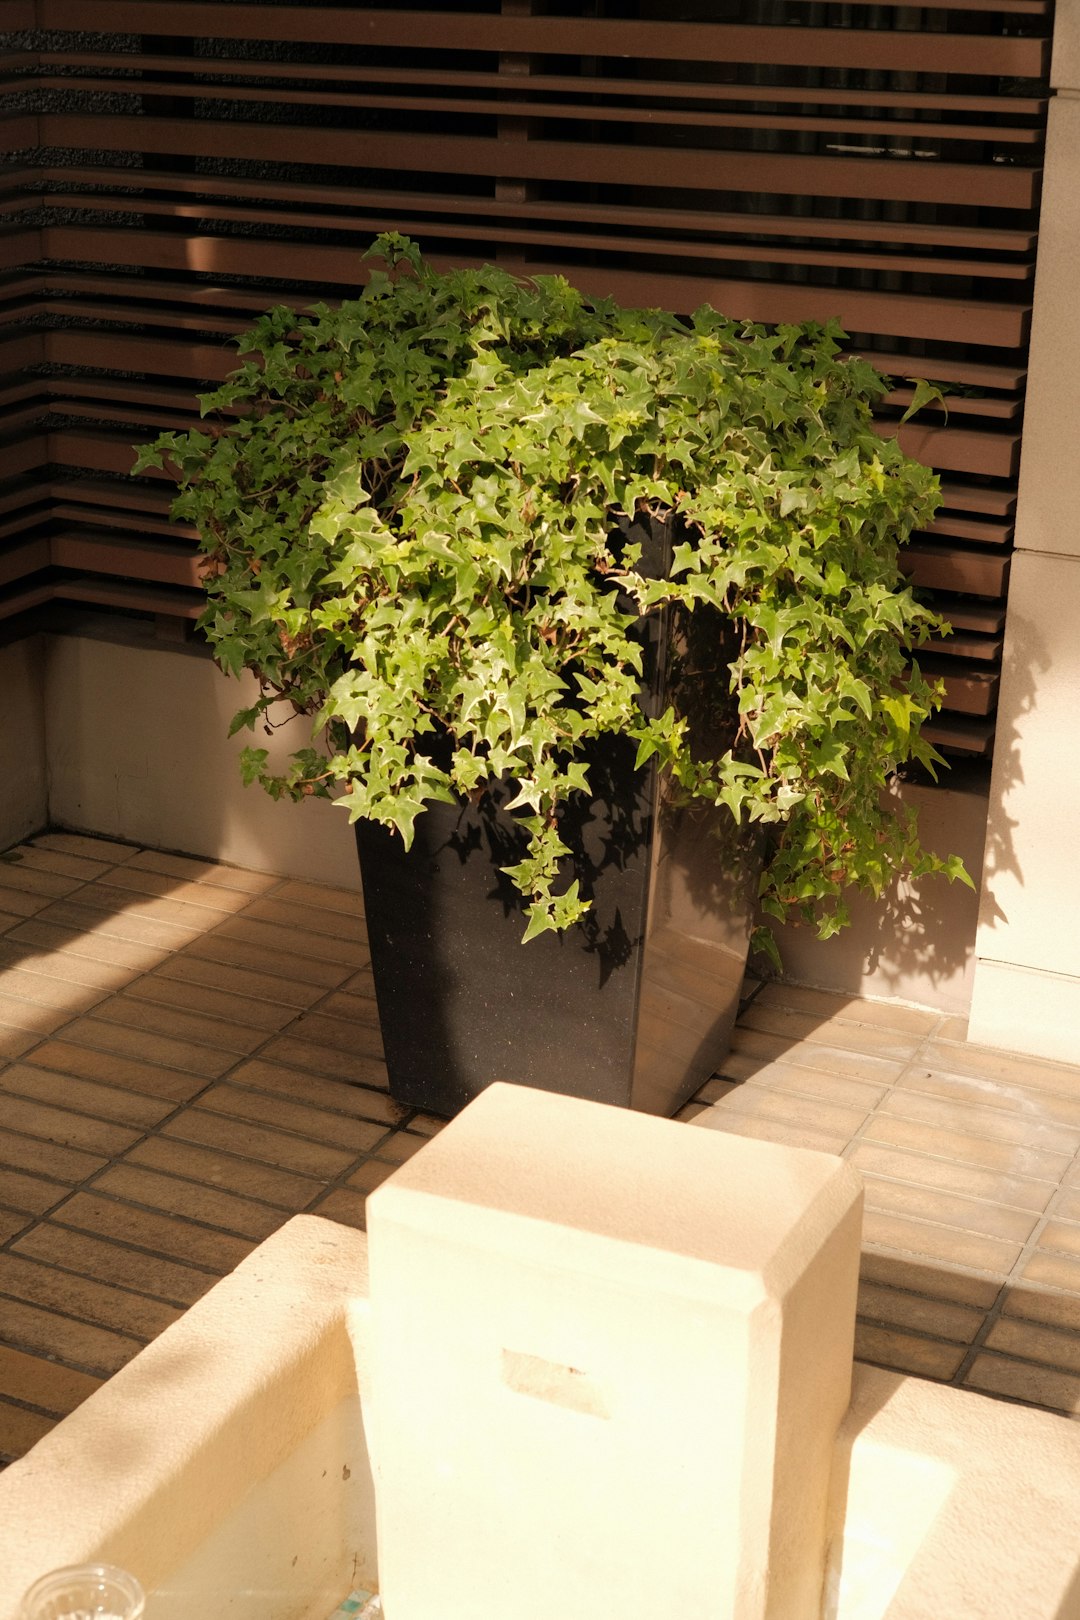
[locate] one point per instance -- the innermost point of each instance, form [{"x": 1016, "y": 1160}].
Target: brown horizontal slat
[
  {"x": 958, "y": 449},
  {"x": 996, "y": 502},
  {"x": 28, "y": 557},
  {"x": 577, "y": 84},
  {"x": 986, "y": 531},
  {"x": 963, "y": 734},
  {"x": 559, "y": 36},
  {"x": 788, "y": 174},
  {"x": 985, "y": 618},
  {"x": 272, "y": 193},
  {"x": 623, "y": 243},
  {"x": 967, "y": 691},
  {"x": 951, "y": 568},
  {"x": 146, "y": 560},
  {"x": 513, "y": 104},
  {"x": 964, "y": 645}
]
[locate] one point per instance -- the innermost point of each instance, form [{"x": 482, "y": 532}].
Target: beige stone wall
[
  {"x": 138, "y": 748},
  {"x": 1027, "y": 982},
  {"x": 918, "y": 943},
  {"x": 24, "y": 796}
]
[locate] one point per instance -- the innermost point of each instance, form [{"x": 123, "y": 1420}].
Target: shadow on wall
[{"x": 917, "y": 943}]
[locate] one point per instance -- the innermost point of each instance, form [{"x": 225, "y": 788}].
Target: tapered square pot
[{"x": 634, "y": 1006}]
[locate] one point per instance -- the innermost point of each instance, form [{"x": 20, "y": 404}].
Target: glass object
[{"x": 85, "y": 1592}]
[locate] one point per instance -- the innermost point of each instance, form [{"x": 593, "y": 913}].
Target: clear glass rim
[{"x": 123, "y": 1585}]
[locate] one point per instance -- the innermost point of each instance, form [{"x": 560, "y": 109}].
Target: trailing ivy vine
[{"x": 410, "y": 507}]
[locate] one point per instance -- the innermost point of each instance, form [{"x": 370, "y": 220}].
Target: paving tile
[
  {"x": 951, "y": 1176},
  {"x": 907, "y": 1352},
  {"x": 211, "y": 873},
  {"x": 43, "y": 859},
  {"x": 281, "y": 994},
  {"x": 45, "y": 989},
  {"x": 945, "y": 1243},
  {"x": 115, "y": 1069},
  {"x": 839, "y": 1088},
  {"x": 64, "y": 1164},
  {"x": 361, "y": 1102},
  {"x": 1027, "y": 1130},
  {"x": 352, "y": 1006},
  {"x": 198, "y": 1000},
  {"x": 768, "y": 1130},
  {"x": 80, "y": 941},
  {"x": 322, "y": 947},
  {"x": 12, "y": 1221},
  {"x": 17, "y": 902},
  {"x": 95, "y": 849},
  {"x": 954, "y": 1028},
  {"x": 110, "y": 1262},
  {"x": 102, "y": 1034},
  {"x": 970, "y": 1214},
  {"x": 85, "y": 1096},
  {"x": 1035, "y": 1342},
  {"x": 941, "y": 1319},
  {"x": 828, "y": 1006},
  {"x": 1060, "y": 1235},
  {"x": 1067, "y": 1207},
  {"x": 1005, "y": 1068},
  {"x": 84, "y": 1298},
  {"x": 30, "y": 1195},
  {"x": 793, "y": 1109},
  {"x": 218, "y": 1035},
  {"x": 14, "y": 1042},
  {"x": 837, "y": 1033},
  {"x": 344, "y": 1205},
  {"x": 1023, "y": 1381},
  {"x": 361, "y": 983},
  {"x": 1042, "y": 1305},
  {"x": 933, "y": 1278},
  {"x": 284, "y": 914},
  {"x": 189, "y": 1199},
  {"x": 285, "y": 966},
  {"x": 360, "y": 1068},
  {"x": 213, "y": 901},
  {"x": 145, "y": 1229},
  {"x": 30, "y": 1016},
  {"x": 62, "y": 1126},
  {"x": 282, "y": 1113},
  {"x": 1009, "y": 1102},
  {"x": 93, "y": 1349},
  {"x": 691, "y": 1111},
  {"x": 348, "y": 901},
  {"x": 369, "y": 1176},
  {"x": 813, "y": 1055},
  {"x": 287, "y": 1191},
  {"x": 399, "y": 1147},
  {"x": 17, "y": 874},
  {"x": 186, "y": 915},
  {"x": 236, "y": 1135},
  {"x": 126, "y": 926},
  {"x": 1056, "y": 1270},
  {"x": 921, "y": 1136},
  {"x": 427, "y": 1124},
  {"x": 42, "y": 1383},
  {"x": 361, "y": 1034},
  {"x": 714, "y": 1091},
  {"x": 20, "y": 1429},
  {"x": 64, "y": 969}
]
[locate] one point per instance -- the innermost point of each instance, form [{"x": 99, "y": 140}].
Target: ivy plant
[{"x": 416, "y": 511}]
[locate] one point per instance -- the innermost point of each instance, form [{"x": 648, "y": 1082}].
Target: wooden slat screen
[{"x": 172, "y": 166}]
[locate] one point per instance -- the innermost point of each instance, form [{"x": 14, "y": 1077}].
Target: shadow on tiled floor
[{"x": 189, "y": 1054}]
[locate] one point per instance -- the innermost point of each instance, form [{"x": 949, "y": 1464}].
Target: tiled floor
[{"x": 189, "y": 1054}]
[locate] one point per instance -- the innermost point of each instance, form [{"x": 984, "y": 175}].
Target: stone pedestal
[{"x": 610, "y": 1355}]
